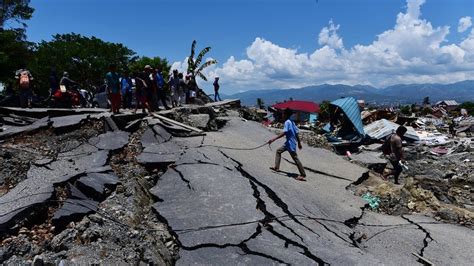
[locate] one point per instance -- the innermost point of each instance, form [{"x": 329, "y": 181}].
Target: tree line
[{"x": 86, "y": 59}]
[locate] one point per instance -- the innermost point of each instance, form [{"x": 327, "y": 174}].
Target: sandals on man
[
  {"x": 274, "y": 169},
  {"x": 300, "y": 178}
]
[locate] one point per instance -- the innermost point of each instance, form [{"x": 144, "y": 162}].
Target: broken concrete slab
[
  {"x": 52, "y": 112},
  {"x": 199, "y": 120},
  {"x": 68, "y": 122},
  {"x": 200, "y": 195},
  {"x": 68, "y": 165},
  {"x": 12, "y": 131},
  {"x": 443, "y": 243},
  {"x": 233, "y": 103},
  {"x": 148, "y": 137},
  {"x": 161, "y": 134},
  {"x": 155, "y": 135},
  {"x": 110, "y": 124},
  {"x": 23, "y": 198},
  {"x": 94, "y": 184},
  {"x": 111, "y": 140},
  {"x": 72, "y": 210},
  {"x": 156, "y": 160},
  {"x": 371, "y": 160}
]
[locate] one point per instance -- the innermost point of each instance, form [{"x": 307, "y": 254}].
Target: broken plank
[
  {"x": 423, "y": 259},
  {"x": 165, "y": 119}
]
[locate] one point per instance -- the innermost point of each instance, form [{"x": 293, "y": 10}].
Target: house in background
[
  {"x": 448, "y": 105},
  {"x": 305, "y": 111}
]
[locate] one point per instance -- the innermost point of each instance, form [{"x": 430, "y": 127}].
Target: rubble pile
[
  {"x": 439, "y": 182},
  {"x": 313, "y": 139},
  {"x": 74, "y": 192},
  {"x": 76, "y": 185},
  {"x": 207, "y": 117}
]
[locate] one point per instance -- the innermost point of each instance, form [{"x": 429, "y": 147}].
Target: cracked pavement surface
[{"x": 225, "y": 206}]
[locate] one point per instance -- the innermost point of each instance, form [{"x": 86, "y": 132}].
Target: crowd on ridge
[{"x": 150, "y": 88}]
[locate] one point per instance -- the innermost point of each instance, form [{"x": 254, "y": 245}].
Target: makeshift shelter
[
  {"x": 304, "y": 110},
  {"x": 346, "y": 119},
  {"x": 382, "y": 128}
]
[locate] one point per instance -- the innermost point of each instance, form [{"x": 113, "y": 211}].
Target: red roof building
[{"x": 302, "y": 106}]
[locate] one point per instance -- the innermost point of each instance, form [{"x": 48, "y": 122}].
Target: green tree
[
  {"x": 14, "y": 53},
  {"x": 86, "y": 59},
  {"x": 426, "y": 111},
  {"x": 16, "y": 10},
  {"x": 194, "y": 64},
  {"x": 139, "y": 63},
  {"x": 14, "y": 49},
  {"x": 469, "y": 106}
]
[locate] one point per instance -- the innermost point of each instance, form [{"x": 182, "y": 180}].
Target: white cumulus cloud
[
  {"x": 413, "y": 51},
  {"x": 464, "y": 24}
]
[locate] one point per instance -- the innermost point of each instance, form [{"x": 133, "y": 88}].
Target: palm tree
[{"x": 194, "y": 65}]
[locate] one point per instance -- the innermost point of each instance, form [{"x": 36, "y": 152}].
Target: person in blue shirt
[
  {"x": 127, "y": 85},
  {"x": 290, "y": 130}
]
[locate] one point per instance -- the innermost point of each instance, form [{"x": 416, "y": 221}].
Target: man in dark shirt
[{"x": 216, "y": 89}]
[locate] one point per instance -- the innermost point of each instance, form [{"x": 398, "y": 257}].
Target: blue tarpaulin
[{"x": 350, "y": 107}]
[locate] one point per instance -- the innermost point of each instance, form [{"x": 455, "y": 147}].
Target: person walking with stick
[{"x": 291, "y": 131}]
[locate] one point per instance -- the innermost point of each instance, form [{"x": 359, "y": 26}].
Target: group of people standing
[{"x": 150, "y": 89}]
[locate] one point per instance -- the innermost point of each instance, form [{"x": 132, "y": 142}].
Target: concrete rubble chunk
[
  {"x": 68, "y": 166},
  {"x": 370, "y": 160},
  {"x": 110, "y": 124},
  {"x": 148, "y": 137},
  {"x": 111, "y": 140},
  {"x": 76, "y": 193},
  {"x": 159, "y": 154},
  {"x": 68, "y": 122},
  {"x": 199, "y": 120},
  {"x": 161, "y": 133},
  {"x": 23, "y": 198},
  {"x": 93, "y": 184},
  {"x": 72, "y": 210},
  {"x": 152, "y": 159},
  {"x": 12, "y": 131}
]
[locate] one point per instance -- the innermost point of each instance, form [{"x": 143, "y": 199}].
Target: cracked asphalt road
[{"x": 225, "y": 206}]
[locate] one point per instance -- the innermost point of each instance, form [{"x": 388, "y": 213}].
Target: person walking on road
[
  {"x": 216, "y": 90},
  {"x": 395, "y": 154},
  {"x": 291, "y": 131},
  {"x": 113, "y": 88}
]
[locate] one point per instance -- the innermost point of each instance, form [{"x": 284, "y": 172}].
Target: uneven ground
[
  {"x": 225, "y": 206},
  {"x": 192, "y": 200}
]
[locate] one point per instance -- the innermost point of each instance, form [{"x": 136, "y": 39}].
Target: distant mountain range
[{"x": 403, "y": 94}]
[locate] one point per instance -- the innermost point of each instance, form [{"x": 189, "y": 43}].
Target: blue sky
[{"x": 284, "y": 43}]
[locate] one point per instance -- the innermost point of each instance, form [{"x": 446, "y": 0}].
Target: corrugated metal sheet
[
  {"x": 448, "y": 103},
  {"x": 350, "y": 107},
  {"x": 382, "y": 128},
  {"x": 451, "y": 103}
]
